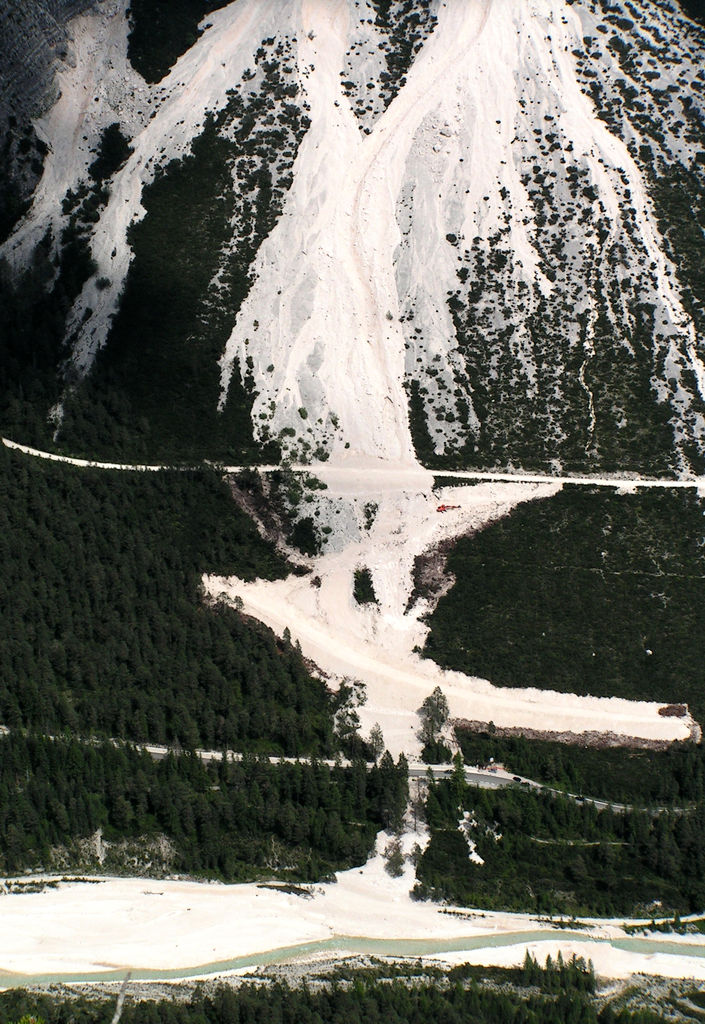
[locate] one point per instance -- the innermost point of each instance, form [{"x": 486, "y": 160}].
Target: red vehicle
[{"x": 446, "y": 508}]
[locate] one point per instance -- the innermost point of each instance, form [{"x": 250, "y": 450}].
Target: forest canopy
[
  {"x": 586, "y": 592},
  {"x": 231, "y": 820},
  {"x": 105, "y": 629}
]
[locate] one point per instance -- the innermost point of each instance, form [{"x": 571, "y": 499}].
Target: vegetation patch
[
  {"x": 162, "y": 30},
  {"x": 434, "y": 713},
  {"x": 113, "y": 151},
  {"x": 106, "y": 631},
  {"x": 154, "y": 389},
  {"x": 363, "y": 587},
  {"x": 559, "y": 993},
  {"x": 553, "y": 387},
  {"x": 584, "y": 592},
  {"x": 402, "y": 26},
  {"x": 234, "y": 820},
  {"x": 34, "y": 307},
  {"x": 625, "y": 775},
  {"x": 551, "y": 854},
  {"x": 22, "y": 155},
  {"x": 588, "y": 370},
  {"x": 694, "y": 10},
  {"x": 277, "y": 500}
]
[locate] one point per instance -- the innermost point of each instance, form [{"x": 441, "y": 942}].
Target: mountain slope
[{"x": 465, "y": 233}]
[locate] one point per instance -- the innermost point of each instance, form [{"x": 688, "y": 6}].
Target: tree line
[
  {"x": 234, "y": 820},
  {"x": 104, "y": 627},
  {"x": 620, "y": 774},
  {"x": 551, "y": 854},
  {"x": 555, "y": 995}
]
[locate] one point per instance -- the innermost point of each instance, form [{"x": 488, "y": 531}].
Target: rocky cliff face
[
  {"x": 468, "y": 233},
  {"x": 34, "y": 36}
]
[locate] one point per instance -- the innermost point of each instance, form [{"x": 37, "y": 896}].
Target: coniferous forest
[
  {"x": 106, "y": 634},
  {"x": 228, "y": 820},
  {"x": 104, "y": 629},
  {"x": 587, "y": 592},
  {"x": 547, "y": 853},
  {"x": 561, "y": 993},
  {"x": 627, "y": 775}
]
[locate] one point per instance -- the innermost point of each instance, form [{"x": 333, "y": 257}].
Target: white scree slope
[
  {"x": 323, "y": 310},
  {"x": 350, "y": 298},
  {"x": 376, "y": 644},
  {"x": 416, "y": 252}
]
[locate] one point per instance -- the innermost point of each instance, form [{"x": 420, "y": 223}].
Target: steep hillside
[
  {"x": 465, "y": 233},
  {"x": 584, "y": 593},
  {"x": 446, "y": 255},
  {"x": 106, "y": 631},
  {"x": 33, "y": 37}
]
